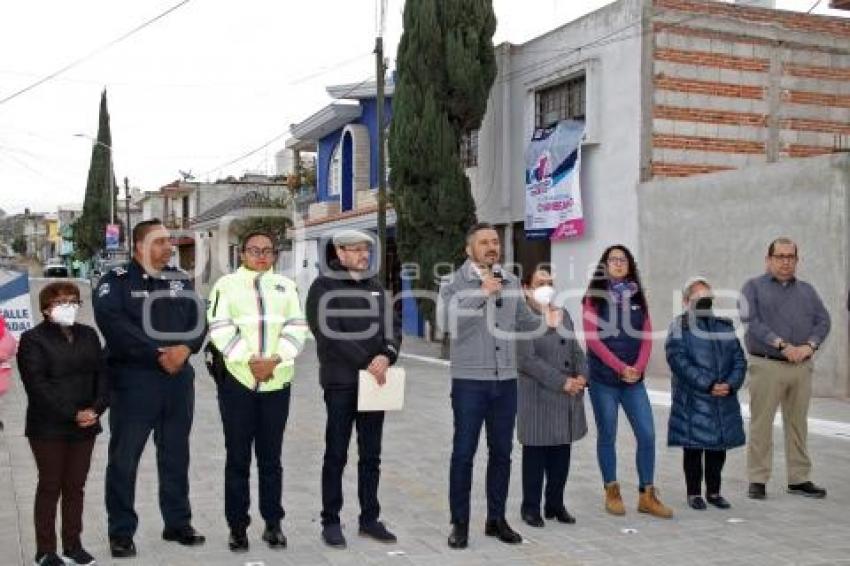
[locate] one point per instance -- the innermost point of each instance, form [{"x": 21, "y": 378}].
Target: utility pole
[
  {"x": 127, "y": 227},
  {"x": 382, "y": 135}
]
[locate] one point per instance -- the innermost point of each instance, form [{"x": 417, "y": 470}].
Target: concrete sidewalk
[{"x": 784, "y": 529}]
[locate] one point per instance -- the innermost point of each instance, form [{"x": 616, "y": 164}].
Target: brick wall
[{"x": 736, "y": 85}]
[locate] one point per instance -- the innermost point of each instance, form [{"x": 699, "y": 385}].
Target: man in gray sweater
[
  {"x": 786, "y": 324},
  {"x": 481, "y": 307}
]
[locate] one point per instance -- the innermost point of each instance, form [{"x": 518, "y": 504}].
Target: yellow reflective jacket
[{"x": 257, "y": 313}]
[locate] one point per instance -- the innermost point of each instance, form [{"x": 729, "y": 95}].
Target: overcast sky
[{"x": 206, "y": 84}]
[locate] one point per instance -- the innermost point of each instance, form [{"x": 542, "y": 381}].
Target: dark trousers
[
  {"x": 693, "y": 464},
  {"x": 476, "y": 403},
  {"x": 145, "y": 401},
  {"x": 63, "y": 466},
  {"x": 342, "y": 416},
  {"x": 551, "y": 462},
  {"x": 253, "y": 419}
]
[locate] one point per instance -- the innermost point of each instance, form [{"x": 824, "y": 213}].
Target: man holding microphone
[{"x": 481, "y": 307}]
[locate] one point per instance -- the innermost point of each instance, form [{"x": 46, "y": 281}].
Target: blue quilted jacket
[{"x": 700, "y": 357}]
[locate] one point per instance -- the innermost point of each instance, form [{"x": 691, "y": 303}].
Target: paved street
[{"x": 784, "y": 529}]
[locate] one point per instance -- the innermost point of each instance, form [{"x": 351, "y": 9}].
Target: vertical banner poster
[
  {"x": 15, "y": 301},
  {"x": 112, "y": 236},
  {"x": 552, "y": 192}
]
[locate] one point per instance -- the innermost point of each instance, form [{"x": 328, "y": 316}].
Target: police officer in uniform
[{"x": 152, "y": 321}]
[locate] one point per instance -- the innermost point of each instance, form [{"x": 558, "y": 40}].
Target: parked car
[{"x": 56, "y": 270}]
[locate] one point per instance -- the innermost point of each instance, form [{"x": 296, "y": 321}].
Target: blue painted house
[{"x": 344, "y": 136}]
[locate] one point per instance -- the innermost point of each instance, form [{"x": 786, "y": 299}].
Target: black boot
[{"x": 459, "y": 537}]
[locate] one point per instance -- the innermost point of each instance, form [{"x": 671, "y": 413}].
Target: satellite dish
[{"x": 187, "y": 175}]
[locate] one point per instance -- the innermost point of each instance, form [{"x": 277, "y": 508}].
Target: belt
[{"x": 768, "y": 357}]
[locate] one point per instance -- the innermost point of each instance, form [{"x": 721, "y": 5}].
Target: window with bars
[
  {"x": 469, "y": 148},
  {"x": 563, "y": 101}
]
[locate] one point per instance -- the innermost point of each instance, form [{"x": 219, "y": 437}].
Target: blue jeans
[
  {"x": 476, "y": 403},
  {"x": 606, "y": 400}
]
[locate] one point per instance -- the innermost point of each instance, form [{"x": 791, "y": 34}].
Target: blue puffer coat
[{"x": 700, "y": 357}]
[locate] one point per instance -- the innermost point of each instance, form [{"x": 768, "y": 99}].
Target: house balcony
[{"x": 174, "y": 222}]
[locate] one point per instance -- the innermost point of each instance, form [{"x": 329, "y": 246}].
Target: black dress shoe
[
  {"x": 807, "y": 489},
  {"x": 532, "y": 519},
  {"x": 274, "y": 537},
  {"x": 756, "y": 491},
  {"x": 122, "y": 547},
  {"x": 459, "y": 537},
  {"x": 187, "y": 536},
  {"x": 238, "y": 541},
  {"x": 697, "y": 502},
  {"x": 500, "y": 529},
  {"x": 718, "y": 501},
  {"x": 377, "y": 531},
  {"x": 332, "y": 535},
  {"x": 562, "y": 515}
]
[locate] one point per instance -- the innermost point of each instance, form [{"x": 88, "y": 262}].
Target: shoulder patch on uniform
[
  {"x": 280, "y": 287},
  {"x": 103, "y": 290}
]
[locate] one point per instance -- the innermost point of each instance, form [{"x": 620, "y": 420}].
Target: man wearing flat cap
[{"x": 347, "y": 313}]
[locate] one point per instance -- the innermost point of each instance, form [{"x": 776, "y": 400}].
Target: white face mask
[
  {"x": 64, "y": 315},
  {"x": 543, "y": 295}
]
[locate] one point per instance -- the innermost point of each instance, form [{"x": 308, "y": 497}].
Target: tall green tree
[
  {"x": 445, "y": 68},
  {"x": 90, "y": 228}
]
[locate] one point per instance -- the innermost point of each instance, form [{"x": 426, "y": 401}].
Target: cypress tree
[
  {"x": 445, "y": 68},
  {"x": 90, "y": 228}
]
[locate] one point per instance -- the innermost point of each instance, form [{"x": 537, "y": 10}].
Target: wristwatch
[
  {"x": 781, "y": 345},
  {"x": 813, "y": 345}
]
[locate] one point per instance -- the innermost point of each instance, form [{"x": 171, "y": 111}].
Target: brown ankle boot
[
  {"x": 649, "y": 502},
  {"x": 613, "y": 500}
]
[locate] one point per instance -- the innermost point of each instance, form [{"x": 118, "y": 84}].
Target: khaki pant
[{"x": 773, "y": 383}]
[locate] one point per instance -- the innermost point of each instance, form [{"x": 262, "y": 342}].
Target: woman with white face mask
[
  {"x": 62, "y": 369},
  {"x": 550, "y": 402}
]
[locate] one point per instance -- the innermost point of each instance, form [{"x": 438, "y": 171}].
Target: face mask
[
  {"x": 64, "y": 315},
  {"x": 543, "y": 295},
  {"x": 703, "y": 304}
]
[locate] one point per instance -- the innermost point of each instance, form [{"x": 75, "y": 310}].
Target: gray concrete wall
[{"x": 720, "y": 225}]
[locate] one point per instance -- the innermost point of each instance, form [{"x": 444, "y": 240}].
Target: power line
[
  {"x": 275, "y": 138},
  {"x": 93, "y": 53}
]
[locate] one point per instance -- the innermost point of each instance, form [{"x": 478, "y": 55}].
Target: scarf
[{"x": 622, "y": 289}]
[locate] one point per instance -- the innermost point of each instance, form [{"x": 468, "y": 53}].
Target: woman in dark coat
[
  {"x": 62, "y": 370},
  {"x": 550, "y": 403},
  {"x": 709, "y": 367}
]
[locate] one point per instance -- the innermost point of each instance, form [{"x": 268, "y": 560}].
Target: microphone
[{"x": 497, "y": 274}]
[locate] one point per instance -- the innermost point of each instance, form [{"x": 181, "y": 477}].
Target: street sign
[
  {"x": 15, "y": 303},
  {"x": 112, "y": 236}
]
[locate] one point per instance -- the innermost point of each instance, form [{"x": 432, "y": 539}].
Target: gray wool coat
[{"x": 546, "y": 415}]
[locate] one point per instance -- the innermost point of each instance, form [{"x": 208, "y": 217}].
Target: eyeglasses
[
  {"x": 260, "y": 252},
  {"x": 66, "y": 303},
  {"x": 618, "y": 260},
  {"x": 363, "y": 250},
  {"x": 784, "y": 257}
]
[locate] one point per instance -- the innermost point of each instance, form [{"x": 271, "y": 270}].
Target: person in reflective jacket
[{"x": 256, "y": 323}]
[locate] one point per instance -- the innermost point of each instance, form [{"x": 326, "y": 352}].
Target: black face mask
[{"x": 703, "y": 304}]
